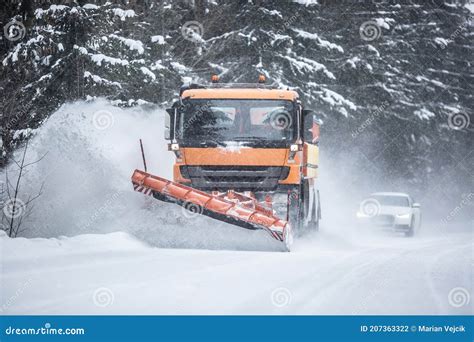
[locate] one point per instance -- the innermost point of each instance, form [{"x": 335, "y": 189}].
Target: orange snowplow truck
[{"x": 246, "y": 154}]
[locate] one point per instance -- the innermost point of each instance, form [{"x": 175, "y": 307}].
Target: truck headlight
[
  {"x": 294, "y": 147},
  {"x": 403, "y": 216},
  {"x": 176, "y": 149}
]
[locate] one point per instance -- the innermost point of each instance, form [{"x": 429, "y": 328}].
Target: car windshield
[
  {"x": 236, "y": 120},
  {"x": 394, "y": 201}
]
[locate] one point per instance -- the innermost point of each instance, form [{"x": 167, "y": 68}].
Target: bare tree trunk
[
  {"x": 17, "y": 188},
  {"x": 17, "y": 209}
]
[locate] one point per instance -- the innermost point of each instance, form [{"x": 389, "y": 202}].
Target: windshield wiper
[
  {"x": 247, "y": 138},
  {"x": 212, "y": 142}
]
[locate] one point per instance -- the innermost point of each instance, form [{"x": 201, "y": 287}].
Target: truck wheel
[
  {"x": 314, "y": 211},
  {"x": 288, "y": 240},
  {"x": 317, "y": 212},
  {"x": 296, "y": 211}
]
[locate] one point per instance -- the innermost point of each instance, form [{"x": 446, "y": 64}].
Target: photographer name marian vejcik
[{"x": 446, "y": 328}]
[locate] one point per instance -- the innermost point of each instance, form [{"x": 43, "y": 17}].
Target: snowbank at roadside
[{"x": 23, "y": 248}]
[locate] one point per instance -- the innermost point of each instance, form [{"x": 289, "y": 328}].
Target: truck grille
[{"x": 241, "y": 178}]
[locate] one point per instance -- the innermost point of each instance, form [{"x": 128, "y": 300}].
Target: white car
[{"x": 391, "y": 210}]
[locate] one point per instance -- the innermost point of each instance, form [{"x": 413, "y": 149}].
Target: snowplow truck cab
[{"x": 248, "y": 139}]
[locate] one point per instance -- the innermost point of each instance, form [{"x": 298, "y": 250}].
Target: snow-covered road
[{"x": 326, "y": 274}]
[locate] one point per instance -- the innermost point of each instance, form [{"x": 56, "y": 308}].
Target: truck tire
[
  {"x": 313, "y": 213},
  {"x": 288, "y": 240},
  {"x": 296, "y": 211},
  {"x": 299, "y": 210}
]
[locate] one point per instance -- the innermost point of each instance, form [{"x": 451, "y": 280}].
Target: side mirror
[
  {"x": 311, "y": 112},
  {"x": 416, "y": 205},
  {"x": 307, "y": 112},
  {"x": 311, "y": 126},
  {"x": 168, "y": 117}
]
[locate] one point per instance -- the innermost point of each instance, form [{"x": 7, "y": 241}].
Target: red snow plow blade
[{"x": 231, "y": 207}]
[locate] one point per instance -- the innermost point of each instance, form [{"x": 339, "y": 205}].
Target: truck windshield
[{"x": 221, "y": 121}]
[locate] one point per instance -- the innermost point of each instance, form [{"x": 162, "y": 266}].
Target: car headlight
[{"x": 403, "y": 216}]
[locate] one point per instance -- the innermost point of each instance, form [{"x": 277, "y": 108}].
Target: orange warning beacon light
[{"x": 214, "y": 78}]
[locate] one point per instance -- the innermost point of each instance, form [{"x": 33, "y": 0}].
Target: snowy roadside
[{"x": 117, "y": 274}]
